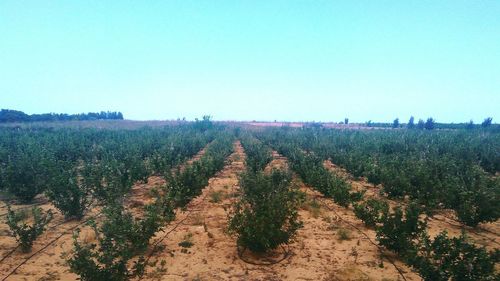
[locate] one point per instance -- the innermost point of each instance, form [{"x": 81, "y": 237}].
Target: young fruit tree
[
  {"x": 68, "y": 194},
  {"x": 27, "y": 171},
  {"x": 25, "y": 233},
  {"x": 266, "y": 216},
  {"x": 121, "y": 240}
]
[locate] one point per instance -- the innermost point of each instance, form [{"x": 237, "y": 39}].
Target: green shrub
[
  {"x": 68, "y": 194},
  {"x": 258, "y": 155},
  {"x": 455, "y": 259},
  {"x": 371, "y": 211},
  {"x": 25, "y": 233},
  {"x": 120, "y": 238},
  {"x": 266, "y": 216},
  {"x": 398, "y": 230},
  {"x": 108, "y": 180},
  {"x": 27, "y": 171},
  {"x": 481, "y": 204}
]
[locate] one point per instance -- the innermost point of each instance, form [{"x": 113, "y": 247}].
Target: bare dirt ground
[{"x": 486, "y": 234}]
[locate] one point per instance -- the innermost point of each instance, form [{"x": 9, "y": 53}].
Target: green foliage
[
  {"x": 266, "y": 216},
  {"x": 114, "y": 159},
  {"x": 437, "y": 169},
  {"x": 395, "y": 123},
  {"x": 398, "y": 229},
  {"x": 120, "y": 238},
  {"x": 429, "y": 124},
  {"x": 487, "y": 122},
  {"x": 25, "y": 233},
  {"x": 478, "y": 198},
  {"x": 420, "y": 124},
  {"x": 27, "y": 170},
  {"x": 108, "y": 180},
  {"x": 454, "y": 258},
  {"x": 371, "y": 211},
  {"x": 188, "y": 183},
  {"x": 311, "y": 170},
  {"x": 258, "y": 155},
  {"x": 67, "y": 193},
  {"x": 411, "y": 123},
  {"x": 470, "y": 125}
]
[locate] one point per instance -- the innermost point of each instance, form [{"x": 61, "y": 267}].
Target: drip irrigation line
[{"x": 46, "y": 246}]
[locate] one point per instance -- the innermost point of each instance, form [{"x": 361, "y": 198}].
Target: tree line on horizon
[
  {"x": 431, "y": 124},
  {"x": 8, "y": 115}
]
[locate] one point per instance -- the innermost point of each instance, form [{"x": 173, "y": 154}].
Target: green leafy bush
[
  {"x": 107, "y": 180},
  {"x": 120, "y": 238},
  {"x": 398, "y": 229},
  {"x": 25, "y": 233},
  {"x": 188, "y": 183},
  {"x": 68, "y": 194},
  {"x": 481, "y": 204},
  {"x": 266, "y": 216},
  {"x": 27, "y": 170},
  {"x": 371, "y": 211},
  {"x": 454, "y": 258},
  {"x": 258, "y": 155}
]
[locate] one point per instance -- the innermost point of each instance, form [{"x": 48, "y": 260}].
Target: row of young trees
[
  {"x": 438, "y": 169},
  {"x": 105, "y": 177},
  {"x": 442, "y": 258},
  {"x": 122, "y": 239},
  {"x": 34, "y": 160},
  {"x": 266, "y": 215},
  {"x": 403, "y": 231},
  {"x": 77, "y": 168}
]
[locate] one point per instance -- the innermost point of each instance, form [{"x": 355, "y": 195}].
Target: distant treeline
[
  {"x": 430, "y": 124},
  {"x": 7, "y": 115}
]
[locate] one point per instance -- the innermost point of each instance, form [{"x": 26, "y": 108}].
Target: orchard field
[{"x": 205, "y": 200}]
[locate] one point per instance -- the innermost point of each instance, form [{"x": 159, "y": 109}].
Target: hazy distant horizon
[
  {"x": 416, "y": 119},
  {"x": 253, "y": 60}
]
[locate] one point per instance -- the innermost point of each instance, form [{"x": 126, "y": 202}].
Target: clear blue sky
[{"x": 245, "y": 60}]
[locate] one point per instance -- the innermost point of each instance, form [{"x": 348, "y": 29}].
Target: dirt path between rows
[{"x": 197, "y": 246}]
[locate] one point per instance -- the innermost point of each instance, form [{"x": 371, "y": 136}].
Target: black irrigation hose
[
  {"x": 46, "y": 246},
  {"x": 459, "y": 224},
  {"x": 25, "y": 207},
  {"x": 157, "y": 242},
  {"x": 364, "y": 234},
  {"x": 286, "y": 255},
  {"x": 470, "y": 229},
  {"x": 48, "y": 228},
  {"x": 9, "y": 253},
  {"x": 367, "y": 237}
]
